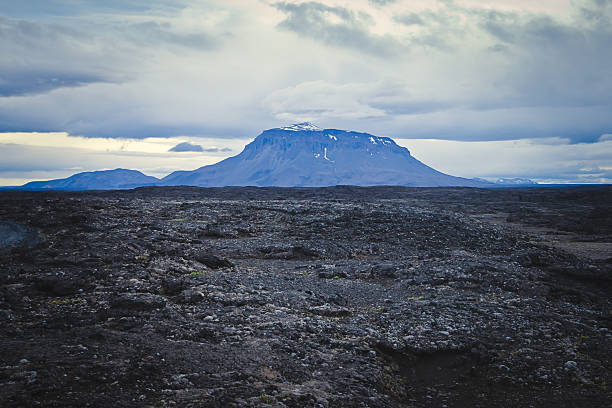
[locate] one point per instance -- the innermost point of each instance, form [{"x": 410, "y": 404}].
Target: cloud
[
  {"x": 338, "y": 26},
  {"x": 153, "y": 145},
  {"x": 149, "y": 33},
  {"x": 551, "y": 160},
  {"x": 43, "y": 156},
  {"x": 321, "y": 101},
  {"x": 216, "y": 149},
  {"x": 399, "y": 109},
  {"x": 605, "y": 138},
  {"x": 186, "y": 147},
  {"x": 33, "y": 82},
  {"x": 498, "y": 73},
  {"x": 462, "y": 70},
  {"x": 189, "y": 147},
  {"x": 35, "y": 55},
  {"x": 409, "y": 19},
  {"x": 39, "y": 56},
  {"x": 73, "y": 8},
  {"x": 381, "y": 3}
]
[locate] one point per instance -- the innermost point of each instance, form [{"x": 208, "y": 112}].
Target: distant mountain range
[
  {"x": 297, "y": 155},
  {"x": 516, "y": 181},
  {"x": 510, "y": 182},
  {"x": 96, "y": 180}
]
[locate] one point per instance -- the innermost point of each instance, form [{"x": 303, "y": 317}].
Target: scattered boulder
[
  {"x": 190, "y": 296},
  {"x": 138, "y": 301},
  {"x": 296, "y": 252},
  {"x": 212, "y": 261},
  {"x": 301, "y": 252},
  {"x": 171, "y": 286},
  {"x": 384, "y": 270},
  {"x": 60, "y": 285},
  {"x": 212, "y": 231},
  {"x": 532, "y": 258},
  {"x": 14, "y": 235},
  {"x": 331, "y": 274},
  {"x": 572, "y": 365},
  {"x": 329, "y": 311}
]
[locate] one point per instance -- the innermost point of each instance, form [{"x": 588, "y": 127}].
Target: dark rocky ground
[{"x": 335, "y": 297}]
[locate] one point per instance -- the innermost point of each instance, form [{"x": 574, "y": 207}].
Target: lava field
[{"x": 306, "y": 297}]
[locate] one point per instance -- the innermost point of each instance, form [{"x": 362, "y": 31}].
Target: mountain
[
  {"x": 95, "y": 180},
  {"x": 298, "y": 155},
  {"x": 306, "y": 155},
  {"x": 516, "y": 181},
  {"x": 509, "y": 182}
]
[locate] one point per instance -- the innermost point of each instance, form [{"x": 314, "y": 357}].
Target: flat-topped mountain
[
  {"x": 300, "y": 155},
  {"x": 306, "y": 155}
]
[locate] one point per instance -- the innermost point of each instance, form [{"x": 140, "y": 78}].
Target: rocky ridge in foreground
[{"x": 339, "y": 297}]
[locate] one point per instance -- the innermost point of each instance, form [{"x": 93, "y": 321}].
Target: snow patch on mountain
[{"x": 305, "y": 126}]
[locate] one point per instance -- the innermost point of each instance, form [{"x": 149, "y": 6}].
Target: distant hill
[
  {"x": 95, "y": 180},
  {"x": 516, "y": 181},
  {"x": 509, "y": 182},
  {"x": 305, "y": 155}
]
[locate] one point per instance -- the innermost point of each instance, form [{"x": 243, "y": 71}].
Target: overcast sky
[{"x": 476, "y": 88}]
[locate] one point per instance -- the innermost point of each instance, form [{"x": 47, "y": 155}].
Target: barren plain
[{"x": 305, "y": 297}]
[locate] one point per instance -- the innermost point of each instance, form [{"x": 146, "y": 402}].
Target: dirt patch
[{"x": 564, "y": 240}]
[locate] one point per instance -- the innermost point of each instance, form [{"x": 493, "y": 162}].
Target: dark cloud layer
[
  {"x": 38, "y": 57},
  {"x": 45, "y": 8},
  {"x": 27, "y": 83}
]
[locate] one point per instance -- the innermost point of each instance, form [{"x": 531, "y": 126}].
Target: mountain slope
[
  {"x": 95, "y": 180},
  {"x": 305, "y": 155}
]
